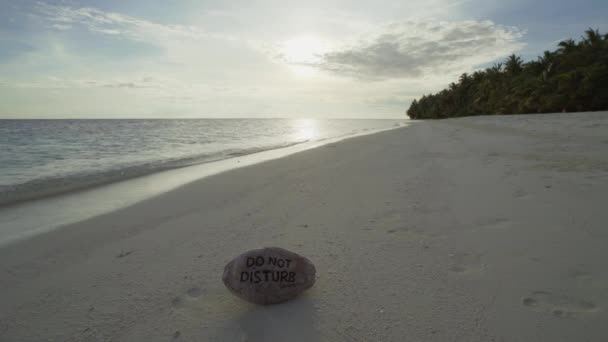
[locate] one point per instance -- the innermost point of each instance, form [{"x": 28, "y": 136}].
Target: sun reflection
[{"x": 306, "y": 129}]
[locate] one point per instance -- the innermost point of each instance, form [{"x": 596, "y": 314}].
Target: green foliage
[{"x": 572, "y": 78}]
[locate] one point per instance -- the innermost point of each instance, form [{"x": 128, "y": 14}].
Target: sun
[
  {"x": 305, "y": 49},
  {"x": 303, "y": 52}
]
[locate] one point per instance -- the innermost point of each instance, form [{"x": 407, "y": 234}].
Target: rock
[{"x": 269, "y": 275}]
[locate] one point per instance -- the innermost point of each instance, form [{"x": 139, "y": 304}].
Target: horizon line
[{"x": 207, "y": 118}]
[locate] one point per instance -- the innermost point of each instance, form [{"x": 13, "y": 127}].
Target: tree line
[{"x": 572, "y": 78}]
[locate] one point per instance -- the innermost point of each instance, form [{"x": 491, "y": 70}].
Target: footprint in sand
[
  {"x": 558, "y": 305},
  {"x": 521, "y": 194},
  {"x": 465, "y": 263},
  {"x": 492, "y": 223},
  {"x": 192, "y": 293},
  {"x": 411, "y": 231},
  {"x": 586, "y": 279},
  {"x": 177, "y": 302},
  {"x": 580, "y": 275},
  {"x": 497, "y": 223},
  {"x": 490, "y": 158},
  {"x": 389, "y": 217}
]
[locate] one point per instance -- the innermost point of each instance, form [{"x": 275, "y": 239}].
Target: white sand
[{"x": 474, "y": 229}]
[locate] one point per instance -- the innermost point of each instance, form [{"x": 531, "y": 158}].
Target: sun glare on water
[
  {"x": 306, "y": 129},
  {"x": 303, "y": 52}
]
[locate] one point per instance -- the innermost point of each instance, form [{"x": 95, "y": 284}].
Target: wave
[{"x": 52, "y": 186}]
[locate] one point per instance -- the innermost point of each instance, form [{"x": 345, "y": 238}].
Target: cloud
[
  {"x": 61, "y": 27},
  {"x": 53, "y": 82},
  {"x": 141, "y": 83},
  {"x": 111, "y": 23},
  {"x": 419, "y": 49},
  {"x": 394, "y": 101}
]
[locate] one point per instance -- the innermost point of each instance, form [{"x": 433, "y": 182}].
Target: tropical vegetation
[{"x": 570, "y": 79}]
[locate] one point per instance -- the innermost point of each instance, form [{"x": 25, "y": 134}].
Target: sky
[{"x": 253, "y": 58}]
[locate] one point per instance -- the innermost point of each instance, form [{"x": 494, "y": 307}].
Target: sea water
[
  {"x": 45, "y": 157},
  {"x": 57, "y": 172}
]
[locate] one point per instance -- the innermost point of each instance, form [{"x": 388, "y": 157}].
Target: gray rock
[{"x": 269, "y": 275}]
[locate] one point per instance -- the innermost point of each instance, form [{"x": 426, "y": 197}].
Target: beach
[{"x": 485, "y": 228}]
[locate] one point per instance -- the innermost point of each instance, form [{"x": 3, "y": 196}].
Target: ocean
[{"x": 42, "y": 158}]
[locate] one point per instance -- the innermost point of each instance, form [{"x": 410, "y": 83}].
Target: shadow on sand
[{"x": 290, "y": 321}]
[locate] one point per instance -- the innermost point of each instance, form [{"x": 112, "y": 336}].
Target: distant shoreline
[{"x": 515, "y": 114}]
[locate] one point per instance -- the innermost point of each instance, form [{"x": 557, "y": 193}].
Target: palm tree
[
  {"x": 574, "y": 77},
  {"x": 547, "y": 62},
  {"x": 592, "y": 37},
  {"x": 566, "y": 46},
  {"x": 513, "y": 65},
  {"x": 496, "y": 68}
]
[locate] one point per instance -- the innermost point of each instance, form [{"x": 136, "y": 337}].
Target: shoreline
[
  {"x": 106, "y": 197},
  {"x": 473, "y": 229},
  {"x": 84, "y": 181},
  {"x": 29, "y": 197}
]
